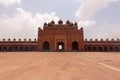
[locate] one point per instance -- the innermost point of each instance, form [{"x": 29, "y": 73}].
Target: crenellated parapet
[
  {"x": 102, "y": 45},
  {"x": 18, "y": 40},
  {"x": 102, "y": 40}
]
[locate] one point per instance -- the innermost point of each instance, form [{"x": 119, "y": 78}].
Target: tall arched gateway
[
  {"x": 65, "y": 37},
  {"x": 60, "y": 46}
]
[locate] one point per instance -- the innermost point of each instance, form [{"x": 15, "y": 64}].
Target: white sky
[{"x": 21, "y": 18}]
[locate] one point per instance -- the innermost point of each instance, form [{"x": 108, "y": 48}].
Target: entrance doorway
[
  {"x": 46, "y": 46},
  {"x": 60, "y": 46},
  {"x": 75, "y": 46}
]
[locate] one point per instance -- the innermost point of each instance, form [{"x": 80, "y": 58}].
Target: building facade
[{"x": 60, "y": 37}]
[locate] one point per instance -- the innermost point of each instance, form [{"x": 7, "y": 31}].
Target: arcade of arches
[
  {"x": 11, "y": 48},
  {"x": 60, "y": 37},
  {"x": 102, "y": 48}
]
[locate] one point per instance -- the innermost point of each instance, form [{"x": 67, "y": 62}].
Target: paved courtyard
[{"x": 59, "y": 66}]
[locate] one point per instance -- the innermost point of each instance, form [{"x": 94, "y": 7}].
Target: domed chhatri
[
  {"x": 60, "y": 22},
  {"x": 76, "y": 23},
  {"x": 45, "y": 24},
  {"x": 52, "y": 22},
  {"x": 68, "y": 22}
]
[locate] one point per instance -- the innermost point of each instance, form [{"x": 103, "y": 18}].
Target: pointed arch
[
  {"x": 46, "y": 46},
  {"x": 94, "y": 48},
  {"x": 60, "y": 45},
  {"x": 75, "y": 46},
  {"x": 116, "y": 48},
  {"x": 89, "y": 48},
  {"x": 100, "y": 48},
  {"x": 111, "y": 48},
  {"x": 105, "y": 48}
]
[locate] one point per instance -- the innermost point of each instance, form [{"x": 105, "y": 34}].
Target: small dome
[
  {"x": 35, "y": 39},
  {"x": 67, "y": 22},
  {"x": 101, "y": 40},
  {"x": 25, "y": 40},
  {"x": 76, "y": 24},
  {"x": 45, "y": 24},
  {"x": 29, "y": 39},
  {"x": 9, "y": 39},
  {"x": 49, "y": 24},
  {"x": 118, "y": 39},
  {"x": 52, "y": 22},
  {"x": 14, "y": 39},
  {"x": 86, "y": 40},
  {"x": 112, "y": 39},
  {"x": 91, "y": 40},
  {"x": 107, "y": 39},
  {"x": 4, "y": 40},
  {"x": 19, "y": 39},
  {"x": 81, "y": 28},
  {"x": 60, "y": 22},
  {"x": 39, "y": 29},
  {"x": 96, "y": 39}
]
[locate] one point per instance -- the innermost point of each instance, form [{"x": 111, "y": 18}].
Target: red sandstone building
[{"x": 60, "y": 37}]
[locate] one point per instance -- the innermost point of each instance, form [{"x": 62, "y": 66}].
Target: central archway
[
  {"x": 60, "y": 45},
  {"x": 46, "y": 46},
  {"x": 75, "y": 46}
]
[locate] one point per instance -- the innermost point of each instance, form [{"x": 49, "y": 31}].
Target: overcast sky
[{"x": 21, "y": 18}]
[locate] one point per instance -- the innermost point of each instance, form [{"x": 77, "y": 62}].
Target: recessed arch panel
[
  {"x": 46, "y": 46},
  {"x": 75, "y": 46}
]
